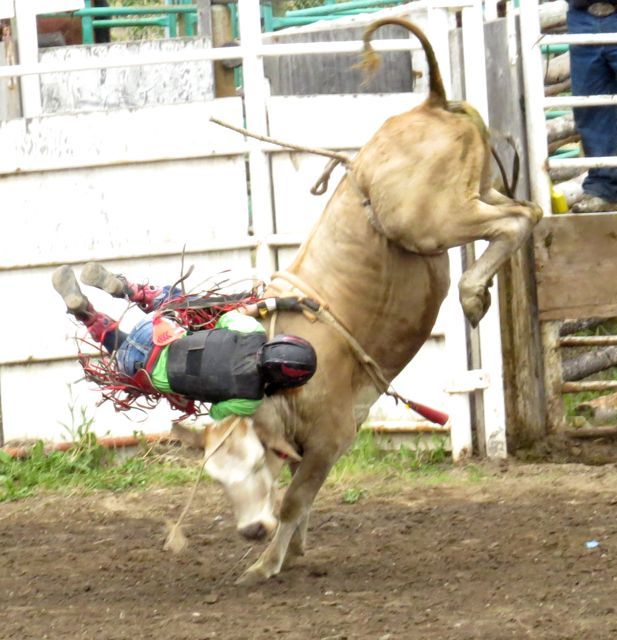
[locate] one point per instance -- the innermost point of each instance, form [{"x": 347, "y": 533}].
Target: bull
[{"x": 377, "y": 260}]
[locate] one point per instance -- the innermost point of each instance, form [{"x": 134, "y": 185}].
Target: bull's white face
[{"x": 247, "y": 472}]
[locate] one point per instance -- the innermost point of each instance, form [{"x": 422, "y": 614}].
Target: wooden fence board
[
  {"x": 337, "y": 73},
  {"x": 576, "y": 270}
]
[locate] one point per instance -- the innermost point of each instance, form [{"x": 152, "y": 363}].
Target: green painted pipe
[
  {"x": 555, "y": 48},
  {"x": 137, "y": 22},
  {"x": 557, "y": 113},
  {"x": 134, "y": 11},
  {"x": 567, "y": 153}
]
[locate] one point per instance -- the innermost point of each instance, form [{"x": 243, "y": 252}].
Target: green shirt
[{"x": 232, "y": 321}]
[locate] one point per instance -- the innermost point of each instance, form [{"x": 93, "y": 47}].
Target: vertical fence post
[
  {"x": 87, "y": 26},
  {"x": 491, "y": 412},
  {"x": 533, "y": 77},
  {"x": 534, "y": 104},
  {"x": 438, "y": 23},
  {"x": 222, "y": 33},
  {"x": 255, "y": 105},
  {"x": 28, "y": 48},
  {"x": 438, "y": 29}
]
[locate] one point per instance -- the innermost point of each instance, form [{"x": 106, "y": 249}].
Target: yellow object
[{"x": 559, "y": 204}]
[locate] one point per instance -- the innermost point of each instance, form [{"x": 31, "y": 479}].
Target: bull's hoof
[
  {"x": 293, "y": 554},
  {"x": 475, "y": 303},
  {"x": 254, "y": 575},
  {"x": 296, "y": 548},
  {"x": 535, "y": 210}
]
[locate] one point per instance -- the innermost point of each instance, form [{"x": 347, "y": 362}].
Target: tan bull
[{"x": 378, "y": 259}]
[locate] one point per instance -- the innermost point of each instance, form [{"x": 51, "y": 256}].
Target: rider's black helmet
[{"x": 286, "y": 362}]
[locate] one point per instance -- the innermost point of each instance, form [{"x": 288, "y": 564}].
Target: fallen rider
[{"x": 230, "y": 364}]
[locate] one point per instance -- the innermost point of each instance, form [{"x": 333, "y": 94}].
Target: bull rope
[
  {"x": 321, "y": 186},
  {"x": 341, "y": 157},
  {"x": 176, "y": 541},
  {"x": 373, "y": 370}
]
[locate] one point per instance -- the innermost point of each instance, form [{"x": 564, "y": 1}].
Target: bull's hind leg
[{"x": 506, "y": 224}]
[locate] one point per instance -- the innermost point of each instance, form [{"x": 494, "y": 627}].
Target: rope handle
[{"x": 176, "y": 540}]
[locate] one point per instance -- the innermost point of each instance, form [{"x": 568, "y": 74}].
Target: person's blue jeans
[
  {"x": 594, "y": 72},
  {"x": 133, "y": 349}
]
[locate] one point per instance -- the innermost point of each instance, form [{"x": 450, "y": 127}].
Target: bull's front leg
[
  {"x": 297, "y": 543},
  {"x": 297, "y": 502},
  {"x": 506, "y": 225}
]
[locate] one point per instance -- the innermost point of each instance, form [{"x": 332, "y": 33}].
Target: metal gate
[{"x": 557, "y": 255}]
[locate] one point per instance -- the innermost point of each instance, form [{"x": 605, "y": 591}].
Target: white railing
[{"x": 536, "y": 102}]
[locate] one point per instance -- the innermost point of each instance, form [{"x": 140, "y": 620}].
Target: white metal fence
[
  {"x": 532, "y": 41},
  {"x": 101, "y": 186}
]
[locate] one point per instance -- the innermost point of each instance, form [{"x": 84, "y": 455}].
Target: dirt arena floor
[{"x": 481, "y": 552}]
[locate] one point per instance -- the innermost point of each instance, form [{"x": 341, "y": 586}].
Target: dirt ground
[{"x": 491, "y": 554}]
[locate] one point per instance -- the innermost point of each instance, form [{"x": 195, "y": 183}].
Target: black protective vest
[{"x": 216, "y": 365}]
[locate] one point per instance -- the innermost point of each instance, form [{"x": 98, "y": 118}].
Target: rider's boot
[
  {"x": 98, "y": 324},
  {"x": 146, "y": 296}
]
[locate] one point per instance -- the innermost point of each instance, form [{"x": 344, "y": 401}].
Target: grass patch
[
  {"x": 366, "y": 458},
  {"x": 571, "y": 400},
  {"x": 86, "y": 467}
]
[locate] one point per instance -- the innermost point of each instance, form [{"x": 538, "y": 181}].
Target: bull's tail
[{"x": 437, "y": 93}]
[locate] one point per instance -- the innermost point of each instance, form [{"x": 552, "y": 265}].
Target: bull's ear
[
  {"x": 282, "y": 448},
  {"x": 275, "y": 441},
  {"x": 189, "y": 437}
]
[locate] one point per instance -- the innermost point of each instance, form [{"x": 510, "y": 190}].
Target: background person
[{"x": 593, "y": 69}]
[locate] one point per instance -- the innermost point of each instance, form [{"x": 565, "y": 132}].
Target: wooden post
[
  {"x": 523, "y": 364},
  {"x": 10, "y": 107},
  {"x": 27, "y": 45},
  {"x": 553, "y": 382},
  {"x": 523, "y": 377},
  {"x": 204, "y": 20},
  {"x": 221, "y": 30}
]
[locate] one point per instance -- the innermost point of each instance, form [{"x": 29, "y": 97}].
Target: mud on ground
[{"x": 495, "y": 555}]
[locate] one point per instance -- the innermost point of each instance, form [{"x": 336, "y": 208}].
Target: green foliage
[
  {"x": 366, "y": 456},
  {"x": 353, "y": 495},
  {"x": 124, "y": 34},
  {"x": 86, "y": 466},
  {"x": 571, "y": 400}
]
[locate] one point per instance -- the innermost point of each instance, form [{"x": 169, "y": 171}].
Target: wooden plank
[
  {"x": 576, "y": 271},
  {"x": 334, "y": 122},
  {"x": 51, "y": 143},
  {"x": 520, "y": 332},
  {"x": 126, "y": 87},
  {"x": 141, "y": 209},
  {"x": 337, "y": 73}
]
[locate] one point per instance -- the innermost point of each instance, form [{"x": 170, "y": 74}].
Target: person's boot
[
  {"x": 65, "y": 283},
  {"x": 96, "y": 275},
  {"x": 593, "y": 204},
  {"x": 98, "y": 324},
  {"x": 145, "y": 295}
]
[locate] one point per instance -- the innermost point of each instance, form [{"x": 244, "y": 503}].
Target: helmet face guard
[{"x": 286, "y": 362}]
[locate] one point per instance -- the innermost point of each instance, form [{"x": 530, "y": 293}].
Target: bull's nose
[{"x": 254, "y": 531}]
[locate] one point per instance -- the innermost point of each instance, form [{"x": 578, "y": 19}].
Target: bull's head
[{"x": 245, "y": 465}]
